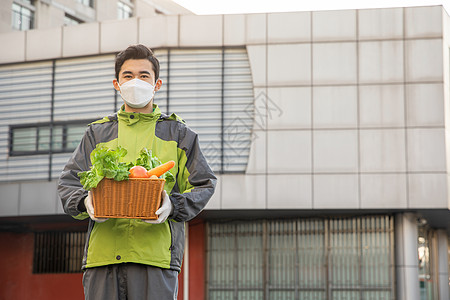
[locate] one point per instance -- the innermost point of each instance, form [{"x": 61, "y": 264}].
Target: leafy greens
[{"x": 105, "y": 163}]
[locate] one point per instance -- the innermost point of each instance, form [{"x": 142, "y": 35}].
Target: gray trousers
[{"x": 130, "y": 282}]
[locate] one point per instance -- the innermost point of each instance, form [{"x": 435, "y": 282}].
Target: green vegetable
[
  {"x": 105, "y": 163},
  {"x": 147, "y": 160}
]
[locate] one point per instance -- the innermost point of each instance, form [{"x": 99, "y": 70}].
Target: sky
[{"x": 209, "y": 7}]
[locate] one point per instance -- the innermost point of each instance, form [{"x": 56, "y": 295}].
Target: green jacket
[{"x": 131, "y": 240}]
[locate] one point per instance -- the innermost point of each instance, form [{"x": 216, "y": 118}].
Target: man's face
[
  {"x": 136, "y": 68},
  {"x": 141, "y": 69}
]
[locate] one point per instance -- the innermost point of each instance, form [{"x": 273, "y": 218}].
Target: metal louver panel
[
  {"x": 238, "y": 110},
  {"x": 195, "y": 89},
  {"x": 211, "y": 89},
  {"x": 25, "y": 97},
  {"x": 162, "y": 94},
  {"x": 83, "y": 88}
]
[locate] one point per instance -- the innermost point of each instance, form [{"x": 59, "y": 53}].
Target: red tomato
[{"x": 138, "y": 172}]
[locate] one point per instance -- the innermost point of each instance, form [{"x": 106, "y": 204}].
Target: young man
[{"x": 131, "y": 258}]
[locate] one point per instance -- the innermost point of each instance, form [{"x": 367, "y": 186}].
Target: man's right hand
[{"x": 90, "y": 209}]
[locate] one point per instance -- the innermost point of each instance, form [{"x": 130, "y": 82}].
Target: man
[{"x": 131, "y": 258}]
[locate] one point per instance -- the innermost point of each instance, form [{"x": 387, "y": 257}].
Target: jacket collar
[{"x": 131, "y": 118}]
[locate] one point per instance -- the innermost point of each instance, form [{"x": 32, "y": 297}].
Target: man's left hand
[{"x": 164, "y": 211}]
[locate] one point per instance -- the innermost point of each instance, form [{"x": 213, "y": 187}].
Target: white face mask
[{"x": 137, "y": 93}]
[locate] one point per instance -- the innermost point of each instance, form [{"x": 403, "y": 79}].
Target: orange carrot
[{"x": 161, "y": 169}]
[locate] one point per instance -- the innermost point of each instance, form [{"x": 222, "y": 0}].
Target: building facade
[
  {"x": 46, "y": 14},
  {"x": 327, "y": 130}
]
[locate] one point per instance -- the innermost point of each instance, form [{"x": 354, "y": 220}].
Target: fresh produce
[
  {"x": 138, "y": 172},
  {"x": 141, "y": 172},
  {"x": 161, "y": 169},
  {"x": 147, "y": 160},
  {"x": 106, "y": 164}
]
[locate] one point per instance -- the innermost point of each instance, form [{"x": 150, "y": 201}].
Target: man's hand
[
  {"x": 90, "y": 208},
  {"x": 164, "y": 211}
]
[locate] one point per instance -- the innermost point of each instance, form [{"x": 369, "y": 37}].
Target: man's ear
[
  {"x": 116, "y": 85},
  {"x": 158, "y": 84}
]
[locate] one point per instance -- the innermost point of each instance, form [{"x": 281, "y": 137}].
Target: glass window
[
  {"x": 338, "y": 258},
  {"x": 73, "y": 135},
  {"x": 89, "y": 3},
  {"x": 423, "y": 251},
  {"x": 124, "y": 10},
  {"x": 58, "y": 139},
  {"x": 237, "y": 252},
  {"x": 43, "y": 142},
  {"x": 35, "y": 139},
  {"x": 22, "y": 16},
  {"x": 24, "y": 139}
]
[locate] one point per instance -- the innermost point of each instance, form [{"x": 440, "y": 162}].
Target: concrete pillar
[
  {"x": 406, "y": 260},
  {"x": 442, "y": 265}
]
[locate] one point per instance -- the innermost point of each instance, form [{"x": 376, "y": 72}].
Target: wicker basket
[{"x": 136, "y": 198}]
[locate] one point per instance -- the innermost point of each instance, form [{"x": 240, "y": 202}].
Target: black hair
[{"x": 138, "y": 51}]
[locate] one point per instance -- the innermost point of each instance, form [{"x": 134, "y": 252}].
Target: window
[
  {"x": 124, "y": 10},
  {"x": 22, "y": 15},
  {"x": 58, "y": 252},
  {"x": 89, "y": 3},
  {"x": 334, "y": 258},
  {"x": 46, "y": 138},
  {"x": 426, "y": 280},
  {"x": 70, "y": 20}
]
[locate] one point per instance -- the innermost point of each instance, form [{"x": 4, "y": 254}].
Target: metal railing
[{"x": 58, "y": 252}]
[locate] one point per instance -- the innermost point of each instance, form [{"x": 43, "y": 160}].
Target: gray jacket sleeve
[
  {"x": 201, "y": 179},
  {"x": 70, "y": 189}
]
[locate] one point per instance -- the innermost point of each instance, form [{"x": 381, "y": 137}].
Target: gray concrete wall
[{"x": 29, "y": 199}]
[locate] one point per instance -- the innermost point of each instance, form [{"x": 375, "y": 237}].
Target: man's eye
[{"x": 144, "y": 76}]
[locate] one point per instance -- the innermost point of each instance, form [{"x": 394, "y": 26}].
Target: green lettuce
[{"x": 105, "y": 164}]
